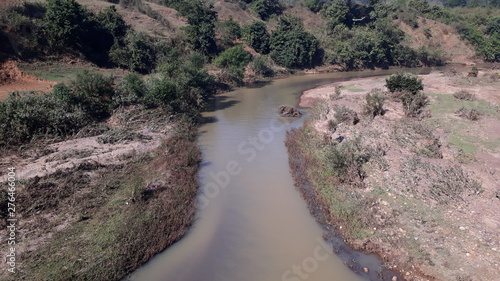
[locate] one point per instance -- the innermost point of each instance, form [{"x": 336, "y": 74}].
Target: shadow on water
[{"x": 220, "y": 102}]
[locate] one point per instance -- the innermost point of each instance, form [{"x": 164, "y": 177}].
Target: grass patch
[
  {"x": 464, "y": 143},
  {"x": 447, "y": 104}
]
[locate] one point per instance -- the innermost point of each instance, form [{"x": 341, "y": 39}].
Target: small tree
[
  {"x": 404, "y": 81},
  {"x": 291, "y": 45}
]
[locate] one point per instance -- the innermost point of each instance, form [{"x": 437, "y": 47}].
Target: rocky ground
[{"x": 427, "y": 201}]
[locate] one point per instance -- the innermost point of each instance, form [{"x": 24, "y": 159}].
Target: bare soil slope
[
  {"x": 439, "y": 36},
  {"x": 12, "y": 79}
]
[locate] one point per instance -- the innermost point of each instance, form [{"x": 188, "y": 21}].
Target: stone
[
  {"x": 365, "y": 269},
  {"x": 288, "y": 111}
]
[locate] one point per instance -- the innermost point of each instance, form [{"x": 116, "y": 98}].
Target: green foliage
[
  {"x": 113, "y": 22},
  {"x": 235, "y": 57},
  {"x": 404, "y": 81},
  {"x": 65, "y": 23},
  {"x": 374, "y": 103},
  {"x": 493, "y": 26},
  {"x": 183, "y": 88},
  {"x": 24, "y": 117},
  {"x": 266, "y": 8},
  {"x": 228, "y": 30},
  {"x": 291, "y": 45},
  {"x": 346, "y": 161},
  {"x": 233, "y": 61},
  {"x": 430, "y": 57},
  {"x": 257, "y": 37},
  {"x": 94, "y": 93},
  {"x": 132, "y": 90},
  {"x": 314, "y": 5},
  {"x": 261, "y": 67},
  {"x": 200, "y": 33},
  {"x": 339, "y": 12},
  {"x": 135, "y": 53}
]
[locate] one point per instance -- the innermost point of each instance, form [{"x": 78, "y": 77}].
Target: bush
[
  {"x": 414, "y": 103},
  {"x": 132, "y": 90},
  {"x": 266, "y": 8},
  {"x": 228, "y": 30},
  {"x": 469, "y": 114},
  {"x": 24, "y": 117},
  {"x": 234, "y": 60},
  {"x": 464, "y": 95},
  {"x": 347, "y": 160},
  {"x": 314, "y": 5},
  {"x": 260, "y": 66},
  {"x": 94, "y": 93},
  {"x": 404, "y": 81},
  {"x": 374, "y": 103},
  {"x": 346, "y": 115}
]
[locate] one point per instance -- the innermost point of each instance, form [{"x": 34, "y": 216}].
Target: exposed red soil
[{"x": 12, "y": 79}]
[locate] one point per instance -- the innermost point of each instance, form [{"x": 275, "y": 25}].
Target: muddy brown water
[{"x": 252, "y": 223}]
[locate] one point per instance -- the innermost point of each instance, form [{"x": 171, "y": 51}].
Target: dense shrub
[
  {"x": 233, "y": 61},
  {"x": 131, "y": 90},
  {"x": 94, "y": 93},
  {"x": 404, "y": 81},
  {"x": 228, "y": 30},
  {"x": 266, "y": 8},
  {"x": 26, "y": 116},
  {"x": 314, "y": 5},
  {"x": 200, "y": 33},
  {"x": 257, "y": 37},
  {"x": 291, "y": 45},
  {"x": 260, "y": 67}
]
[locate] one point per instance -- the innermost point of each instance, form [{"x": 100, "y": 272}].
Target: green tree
[
  {"x": 257, "y": 37},
  {"x": 65, "y": 21},
  {"x": 228, "y": 30},
  {"x": 291, "y": 45},
  {"x": 266, "y": 8},
  {"x": 339, "y": 12},
  {"x": 200, "y": 33}
]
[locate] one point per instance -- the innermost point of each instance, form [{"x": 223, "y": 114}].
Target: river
[{"x": 252, "y": 224}]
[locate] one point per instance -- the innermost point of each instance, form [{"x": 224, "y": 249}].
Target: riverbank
[
  {"x": 101, "y": 204},
  {"x": 421, "y": 194}
]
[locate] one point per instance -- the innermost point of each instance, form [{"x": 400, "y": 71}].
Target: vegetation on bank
[
  {"x": 355, "y": 36},
  {"x": 111, "y": 218},
  {"x": 377, "y": 179}
]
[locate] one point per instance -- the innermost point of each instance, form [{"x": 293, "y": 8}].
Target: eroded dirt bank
[
  {"x": 101, "y": 204},
  {"x": 421, "y": 193}
]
